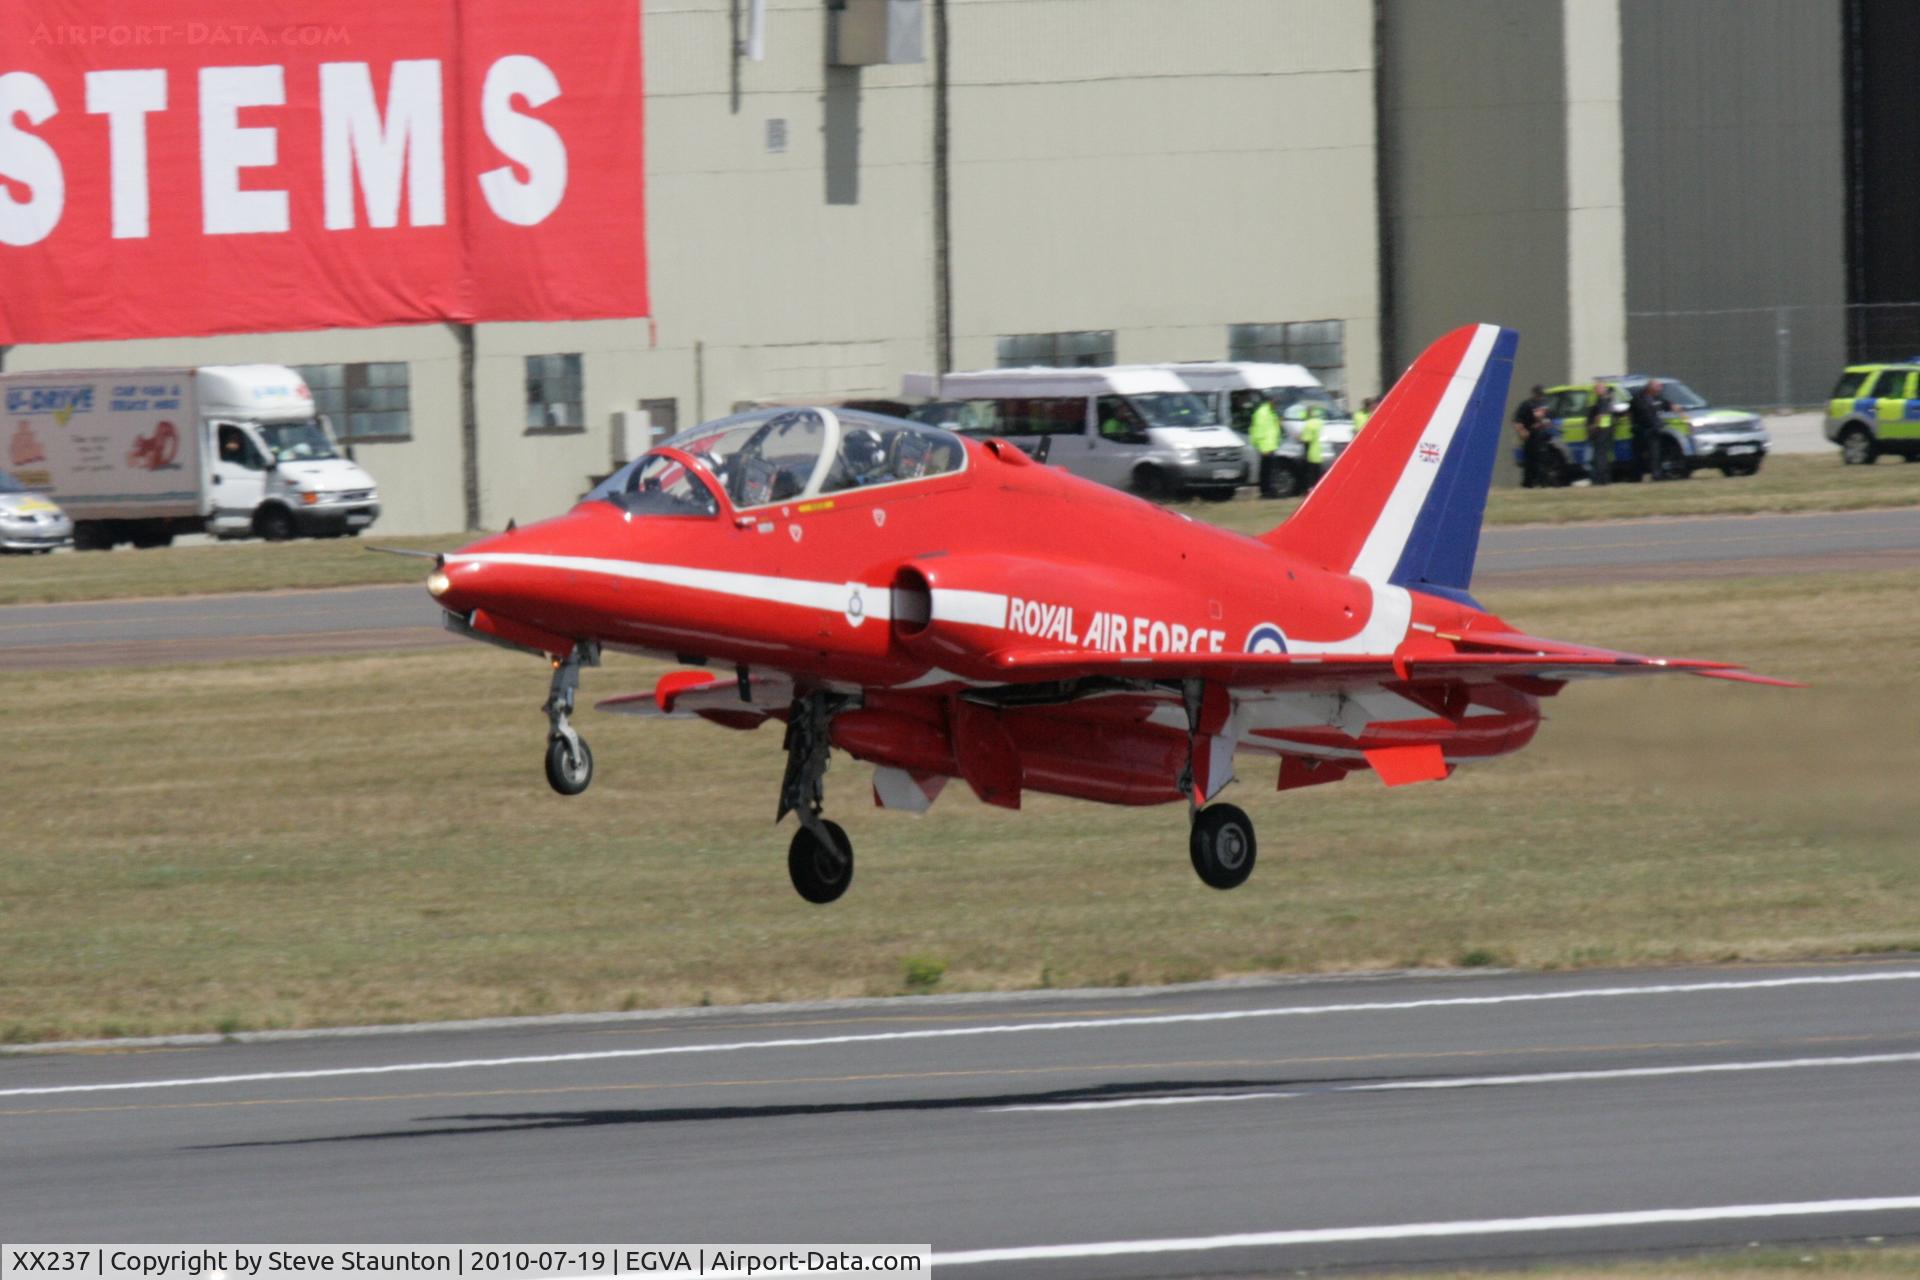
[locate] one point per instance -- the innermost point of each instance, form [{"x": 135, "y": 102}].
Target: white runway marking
[
  {"x": 1428, "y": 1230},
  {"x": 1120, "y": 1104},
  {"x": 1482, "y": 1082},
  {"x": 1005, "y": 1029}
]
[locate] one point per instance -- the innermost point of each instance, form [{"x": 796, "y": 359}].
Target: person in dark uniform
[
  {"x": 1525, "y": 428},
  {"x": 1524, "y": 416},
  {"x": 1644, "y": 409}
]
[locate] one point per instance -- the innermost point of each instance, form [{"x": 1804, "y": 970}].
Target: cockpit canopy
[{"x": 780, "y": 455}]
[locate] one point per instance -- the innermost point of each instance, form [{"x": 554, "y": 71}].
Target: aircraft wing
[{"x": 1509, "y": 656}]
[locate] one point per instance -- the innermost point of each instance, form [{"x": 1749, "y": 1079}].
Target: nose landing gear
[{"x": 569, "y": 761}]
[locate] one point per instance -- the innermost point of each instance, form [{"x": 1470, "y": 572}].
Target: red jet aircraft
[{"x": 947, "y": 607}]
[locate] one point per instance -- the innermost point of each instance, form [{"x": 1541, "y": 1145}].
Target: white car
[{"x": 29, "y": 521}]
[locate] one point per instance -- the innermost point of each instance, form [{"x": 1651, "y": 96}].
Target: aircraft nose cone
[
  {"x": 461, "y": 586},
  {"x": 526, "y": 575}
]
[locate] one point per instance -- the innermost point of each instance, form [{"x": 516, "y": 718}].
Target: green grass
[
  {"x": 370, "y": 839},
  {"x": 1787, "y": 484},
  {"x": 1773, "y": 1263}
]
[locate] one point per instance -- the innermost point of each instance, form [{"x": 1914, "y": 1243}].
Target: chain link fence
[{"x": 1770, "y": 357}]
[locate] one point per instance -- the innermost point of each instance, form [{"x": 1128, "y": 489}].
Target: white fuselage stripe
[
  {"x": 973, "y": 608},
  {"x": 1016, "y": 1028},
  {"x": 1485, "y": 1082},
  {"x": 829, "y": 597},
  {"x": 1388, "y": 537},
  {"x": 1431, "y": 1230}
]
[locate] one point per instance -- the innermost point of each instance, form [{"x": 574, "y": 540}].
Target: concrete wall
[
  {"x": 1736, "y": 202},
  {"x": 1596, "y": 190},
  {"x": 1475, "y": 138},
  {"x": 1161, "y": 170}
]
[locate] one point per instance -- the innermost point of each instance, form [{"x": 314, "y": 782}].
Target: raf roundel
[{"x": 1266, "y": 638}]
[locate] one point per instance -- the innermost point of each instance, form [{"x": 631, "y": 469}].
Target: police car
[
  {"x": 1694, "y": 435},
  {"x": 1875, "y": 410},
  {"x": 28, "y": 521}
]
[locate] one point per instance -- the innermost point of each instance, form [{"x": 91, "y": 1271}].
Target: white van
[
  {"x": 1130, "y": 427},
  {"x": 140, "y": 455},
  {"x": 1237, "y": 386}
]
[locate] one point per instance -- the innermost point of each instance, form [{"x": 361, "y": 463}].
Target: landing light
[{"x": 437, "y": 584}]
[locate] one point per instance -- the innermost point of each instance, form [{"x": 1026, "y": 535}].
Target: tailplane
[{"x": 1403, "y": 504}]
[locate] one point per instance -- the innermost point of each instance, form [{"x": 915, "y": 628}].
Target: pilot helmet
[{"x": 863, "y": 450}]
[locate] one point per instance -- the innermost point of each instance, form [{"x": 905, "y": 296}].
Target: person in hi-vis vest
[
  {"x": 1310, "y": 436},
  {"x": 1263, "y": 433}
]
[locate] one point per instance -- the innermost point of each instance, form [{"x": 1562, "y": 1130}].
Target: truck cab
[{"x": 272, "y": 466}]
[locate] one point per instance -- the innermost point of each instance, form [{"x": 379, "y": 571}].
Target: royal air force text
[{"x": 1110, "y": 632}]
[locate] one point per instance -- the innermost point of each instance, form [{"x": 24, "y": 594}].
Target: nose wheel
[
  {"x": 569, "y": 761},
  {"x": 569, "y": 764},
  {"x": 1222, "y": 846}
]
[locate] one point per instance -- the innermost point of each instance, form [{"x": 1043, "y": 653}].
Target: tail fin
[{"x": 1403, "y": 503}]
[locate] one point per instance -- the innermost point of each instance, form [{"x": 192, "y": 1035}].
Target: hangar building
[{"x": 1712, "y": 189}]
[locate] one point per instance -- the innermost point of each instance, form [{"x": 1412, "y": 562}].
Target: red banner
[{"x": 269, "y": 165}]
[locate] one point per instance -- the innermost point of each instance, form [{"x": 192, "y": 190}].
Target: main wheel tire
[
  {"x": 1153, "y": 484},
  {"x": 275, "y": 524},
  {"x": 1857, "y": 448},
  {"x": 568, "y": 771},
  {"x": 1222, "y": 846},
  {"x": 820, "y": 874}
]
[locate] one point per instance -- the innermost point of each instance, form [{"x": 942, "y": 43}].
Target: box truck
[{"x": 140, "y": 455}]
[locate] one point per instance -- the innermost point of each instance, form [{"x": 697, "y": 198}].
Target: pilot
[{"x": 864, "y": 457}]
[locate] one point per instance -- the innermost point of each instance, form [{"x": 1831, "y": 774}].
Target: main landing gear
[
  {"x": 1221, "y": 841},
  {"x": 1222, "y": 846},
  {"x": 569, "y": 761},
  {"x": 820, "y": 859}
]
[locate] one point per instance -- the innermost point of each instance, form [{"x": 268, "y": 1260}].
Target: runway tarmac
[
  {"x": 1210, "y": 1130},
  {"x": 361, "y": 619}
]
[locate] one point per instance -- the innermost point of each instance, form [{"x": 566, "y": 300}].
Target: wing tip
[{"x": 1741, "y": 675}]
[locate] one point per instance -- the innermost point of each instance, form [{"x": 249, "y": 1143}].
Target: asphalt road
[
  {"x": 358, "y": 619},
  {"x": 1174, "y": 1132}
]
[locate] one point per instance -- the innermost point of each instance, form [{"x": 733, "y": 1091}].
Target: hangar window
[
  {"x": 1320, "y": 345},
  {"x": 365, "y": 402},
  {"x": 1075, "y": 349},
  {"x": 554, "y": 394}
]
